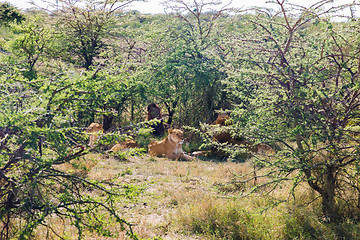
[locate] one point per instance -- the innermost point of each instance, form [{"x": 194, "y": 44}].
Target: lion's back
[{"x": 157, "y": 148}]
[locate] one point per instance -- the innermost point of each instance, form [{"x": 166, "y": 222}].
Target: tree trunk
[
  {"x": 170, "y": 119},
  {"x": 171, "y": 111},
  {"x": 107, "y": 120},
  {"x": 326, "y": 189},
  {"x": 329, "y": 206}
]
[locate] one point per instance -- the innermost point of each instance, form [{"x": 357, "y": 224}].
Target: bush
[
  {"x": 303, "y": 224},
  {"x": 9, "y": 13}
]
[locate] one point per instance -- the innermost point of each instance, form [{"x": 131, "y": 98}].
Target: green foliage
[
  {"x": 127, "y": 153},
  {"x": 112, "y": 138},
  {"x": 34, "y": 141},
  {"x": 302, "y": 96},
  {"x": 83, "y": 26},
  {"x": 302, "y": 224},
  {"x": 143, "y": 136},
  {"x": 32, "y": 41},
  {"x": 126, "y": 172},
  {"x": 185, "y": 71},
  {"x": 9, "y": 14},
  {"x": 289, "y": 79},
  {"x": 131, "y": 191}
]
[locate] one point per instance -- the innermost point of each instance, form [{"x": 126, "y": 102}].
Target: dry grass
[{"x": 189, "y": 200}]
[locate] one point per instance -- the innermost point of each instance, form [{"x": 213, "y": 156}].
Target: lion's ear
[{"x": 170, "y": 130}]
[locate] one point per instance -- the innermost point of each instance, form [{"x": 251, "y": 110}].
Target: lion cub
[{"x": 170, "y": 147}]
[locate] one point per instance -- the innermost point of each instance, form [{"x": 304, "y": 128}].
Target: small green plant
[
  {"x": 127, "y": 172},
  {"x": 152, "y": 159},
  {"x": 111, "y": 139},
  {"x": 131, "y": 191},
  {"x": 143, "y": 137},
  {"x": 127, "y": 153}
]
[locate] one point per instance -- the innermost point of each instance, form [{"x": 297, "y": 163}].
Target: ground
[
  {"x": 185, "y": 200},
  {"x": 165, "y": 186}
]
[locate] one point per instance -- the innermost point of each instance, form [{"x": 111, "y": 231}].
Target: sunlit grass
[{"x": 170, "y": 199}]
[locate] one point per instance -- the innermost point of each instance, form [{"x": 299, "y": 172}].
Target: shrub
[{"x": 303, "y": 224}]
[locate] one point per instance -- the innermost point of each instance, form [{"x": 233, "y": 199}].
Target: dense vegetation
[{"x": 288, "y": 77}]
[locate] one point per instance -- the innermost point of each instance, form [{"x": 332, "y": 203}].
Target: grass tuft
[{"x": 219, "y": 220}]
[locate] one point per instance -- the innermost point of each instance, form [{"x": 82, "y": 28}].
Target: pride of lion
[{"x": 171, "y": 146}]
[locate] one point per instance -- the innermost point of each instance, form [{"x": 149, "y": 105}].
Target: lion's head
[
  {"x": 94, "y": 128},
  {"x": 175, "y": 135}
]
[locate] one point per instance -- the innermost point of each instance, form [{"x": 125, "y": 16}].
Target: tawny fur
[
  {"x": 170, "y": 147},
  {"x": 124, "y": 145},
  {"x": 225, "y": 137},
  {"x": 94, "y": 130},
  {"x": 223, "y": 119}
]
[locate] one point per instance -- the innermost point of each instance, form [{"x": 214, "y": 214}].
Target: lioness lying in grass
[{"x": 170, "y": 147}]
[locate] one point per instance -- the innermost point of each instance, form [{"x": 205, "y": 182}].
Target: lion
[
  {"x": 224, "y": 120},
  {"x": 170, "y": 147},
  {"x": 124, "y": 145},
  {"x": 224, "y": 136},
  {"x": 94, "y": 130}
]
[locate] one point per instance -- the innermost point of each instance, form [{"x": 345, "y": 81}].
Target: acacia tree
[
  {"x": 303, "y": 71},
  {"x": 9, "y": 13},
  {"x": 84, "y": 34},
  {"x": 122, "y": 60},
  {"x": 36, "y": 137},
  {"x": 32, "y": 41},
  {"x": 83, "y": 26},
  {"x": 108, "y": 95},
  {"x": 185, "y": 72}
]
